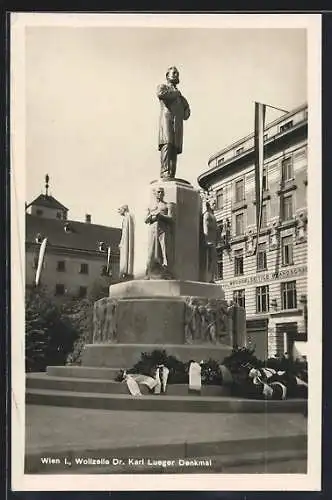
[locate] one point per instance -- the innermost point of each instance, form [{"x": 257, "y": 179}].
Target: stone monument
[
  {"x": 126, "y": 244},
  {"x": 210, "y": 229},
  {"x": 177, "y": 307}
]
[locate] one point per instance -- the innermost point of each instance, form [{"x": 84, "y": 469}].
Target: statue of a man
[
  {"x": 174, "y": 108},
  {"x": 210, "y": 230},
  {"x": 159, "y": 218},
  {"x": 126, "y": 244}
]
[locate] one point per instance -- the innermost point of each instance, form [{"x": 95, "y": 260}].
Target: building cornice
[
  {"x": 275, "y": 143},
  {"x": 246, "y": 138},
  {"x": 77, "y": 252}
]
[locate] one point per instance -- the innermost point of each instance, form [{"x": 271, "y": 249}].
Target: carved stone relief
[
  {"x": 206, "y": 321},
  {"x": 301, "y": 227},
  {"x": 105, "y": 321}
]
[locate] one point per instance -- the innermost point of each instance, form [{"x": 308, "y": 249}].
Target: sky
[{"x": 92, "y": 111}]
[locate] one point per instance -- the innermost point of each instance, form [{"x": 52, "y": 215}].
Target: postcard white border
[{"x": 298, "y": 482}]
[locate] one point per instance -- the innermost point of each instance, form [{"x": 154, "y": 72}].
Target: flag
[
  {"x": 40, "y": 260},
  {"x": 108, "y": 267},
  {"x": 259, "y": 163}
]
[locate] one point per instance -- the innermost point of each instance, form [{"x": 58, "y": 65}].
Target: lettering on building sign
[{"x": 259, "y": 278}]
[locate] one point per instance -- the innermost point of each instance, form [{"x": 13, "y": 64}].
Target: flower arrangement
[{"x": 246, "y": 375}]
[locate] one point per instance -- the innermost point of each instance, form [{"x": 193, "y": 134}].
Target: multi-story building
[
  {"x": 272, "y": 283},
  {"x": 76, "y": 252}
]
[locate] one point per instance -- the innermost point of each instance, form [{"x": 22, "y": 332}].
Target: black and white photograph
[{"x": 166, "y": 246}]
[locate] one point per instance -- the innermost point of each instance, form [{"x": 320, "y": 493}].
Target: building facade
[
  {"x": 75, "y": 260},
  {"x": 271, "y": 284}
]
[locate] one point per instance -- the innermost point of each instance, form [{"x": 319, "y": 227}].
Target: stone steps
[
  {"x": 89, "y": 372},
  {"x": 165, "y": 403},
  {"x": 106, "y": 386}
]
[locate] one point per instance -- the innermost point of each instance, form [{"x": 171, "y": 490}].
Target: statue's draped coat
[{"x": 174, "y": 108}]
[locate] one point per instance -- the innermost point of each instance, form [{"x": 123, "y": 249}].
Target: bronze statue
[
  {"x": 159, "y": 218},
  {"x": 174, "y": 108}
]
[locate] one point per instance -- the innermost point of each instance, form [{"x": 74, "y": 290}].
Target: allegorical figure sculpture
[
  {"x": 174, "y": 108},
  {"x": 126, "y": 244},
  {"x": 159, "y": 219},
  {"x": 210, "y": 230},
  {"x": 191, "y": 321}
]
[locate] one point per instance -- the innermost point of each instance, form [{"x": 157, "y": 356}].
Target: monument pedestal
[
  {"x": 184, "y": 316},
  {"x": 190, "y": 320}
]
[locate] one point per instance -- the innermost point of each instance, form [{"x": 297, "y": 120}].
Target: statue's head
[
  {"x": 173, "y": 75},
  {"x": 159, "y": 193},
  {"x": 123, "y": 209},
  {"x": 208, "y": 207}
]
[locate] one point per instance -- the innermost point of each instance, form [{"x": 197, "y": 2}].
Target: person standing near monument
[
  {"x": 210, "y": 230},
  {"x": 126, "y": 244},
  {"x": 159, "y": 218},
  {"x": 174, "y": 108}
]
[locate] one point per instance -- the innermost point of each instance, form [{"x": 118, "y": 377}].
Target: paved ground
[{"x": 49, "y": 429}]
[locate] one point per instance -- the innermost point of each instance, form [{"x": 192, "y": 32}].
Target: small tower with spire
[{"x": 45, "y": 205}]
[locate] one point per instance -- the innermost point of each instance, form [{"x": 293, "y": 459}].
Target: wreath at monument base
[{"x": 242, "y": 372}]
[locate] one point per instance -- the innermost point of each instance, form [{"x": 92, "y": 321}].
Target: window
[
  {"x": 239, "y": 151},
  {"x": 239, "y": 229},
  {"x": 239, "y": 190},
  {"x": 262, "y": 299},
  {"x": 286, "y": 126},
  {"x": 265, "y": 137},
  {"x": 238, "y": 262},
  {"x": 287, "y": 169},
  {"x": 61, "y": 266},
  {"x": 59, "y": 289},
  {"x": 261, "y": 257},
  {"x": 287, "y": 250},
  {"x": 82, "y": 292},
  {"x": 220, "y": 161},
  {"x": 288, "y": 295},
  {"x": 219, "y": 199},
  {"x": 59, "y": 215},
  {"x": 264, "y": 216},
  {"x": 220, "y": 265},
  {"x": 264, "y": 181},
  {"x": 239, "y": 297},
  {"x": 287, "y": 207},
  {"x": 84, "y": 269},
  {"x": 39, "y": 212}
]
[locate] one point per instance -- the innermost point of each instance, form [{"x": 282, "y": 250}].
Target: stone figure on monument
[
  {"x": 210, "y": 230},
  {"x": 126, "y": 244},
  {"x": 191, "y": 321},
  {"x": 174, "y": 108},
  {"x": 211, "y": 331},
  {"x": 160, "y": 244}
]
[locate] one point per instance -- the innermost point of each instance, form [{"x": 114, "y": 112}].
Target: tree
[
  {"x": 49, "y": 334},
  {"x": 80, "y": 313}
]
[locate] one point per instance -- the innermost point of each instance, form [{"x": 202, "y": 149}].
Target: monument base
[
  {"x": 124, "y": 356},
  {"x": 165, "y": 288}
]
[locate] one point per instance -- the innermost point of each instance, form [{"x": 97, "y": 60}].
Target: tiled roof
[
  {"x": 48, "y": 201},
  {"x": 82, "y": 236}
]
